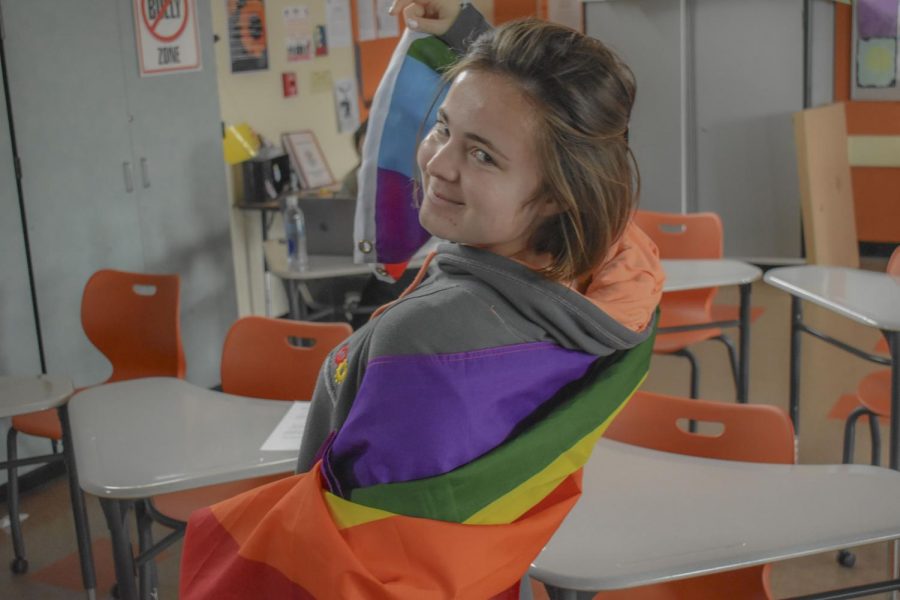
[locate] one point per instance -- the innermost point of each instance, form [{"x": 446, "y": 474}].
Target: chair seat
[
  {"x": 746, "y": 584},
  {"x": 43, "y": 423},
  {"x": 180, "y": 505},
  {"x": 846, "y": 404},
  {"x": 875, "y": 392}
]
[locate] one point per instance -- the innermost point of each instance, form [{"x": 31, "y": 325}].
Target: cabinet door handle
[
  {"x": 128, "y": 173},
  {"x": 145, "y": 174}
]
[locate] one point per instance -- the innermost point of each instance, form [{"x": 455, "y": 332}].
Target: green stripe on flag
[
  {"x": 457, "y": 495},
  {"x": 432, "y": 52}
]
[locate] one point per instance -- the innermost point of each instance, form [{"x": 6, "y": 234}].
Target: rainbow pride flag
[
  {"x": 469, "y": 533},
  {"x": 404, "y": 107}
]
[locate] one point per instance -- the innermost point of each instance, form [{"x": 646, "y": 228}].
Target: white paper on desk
[{"x": 287, "y": 434}]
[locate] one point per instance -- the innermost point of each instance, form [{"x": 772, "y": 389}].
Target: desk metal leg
[
  {"x": 893, "y": 340},
  {"x": 744, "y": 369},
  {"x": 794, "y": 402},
  {"x": 79, "y": 511},
  {"x": 116, "y": 512},
  {"x": 556, "y": 593},
  {"x": 294, "y": 299}
]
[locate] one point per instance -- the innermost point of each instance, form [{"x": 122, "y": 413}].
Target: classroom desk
[
  {"x": 867, "y": 297},
  {"x": 21, "y": 395},
  {"x": 139, "y": 438},
  {"x": 648, "y": 517},
  {"x": 692, "y": 274},
  {"x": 321, "y": 266}
]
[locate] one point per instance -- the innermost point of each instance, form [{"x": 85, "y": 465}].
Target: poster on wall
[
  {"x": 337, "y": 17},
  {"x": 346, "y": 104},
  {"x": 247, "y": 35},
  {"x": 297, "y": 33},
  {"x": 388, "y": 24},
  {"x": 365, "y": 20},
  {"x": 166, "y": 36},
  {"x": 876, "y": 56}
]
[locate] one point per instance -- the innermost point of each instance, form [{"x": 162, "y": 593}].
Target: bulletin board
[{"x": 876, "y": 50}]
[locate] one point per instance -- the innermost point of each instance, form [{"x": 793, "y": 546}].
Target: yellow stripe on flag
[
  {"x": 348, "y": 514},
  {"x": 512, "y": 505}
]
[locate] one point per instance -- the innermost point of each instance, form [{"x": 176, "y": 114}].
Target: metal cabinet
[{"x": 117, "y": 172}]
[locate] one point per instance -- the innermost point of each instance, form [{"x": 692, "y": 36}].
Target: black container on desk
[{"x": 264, "y": 177}]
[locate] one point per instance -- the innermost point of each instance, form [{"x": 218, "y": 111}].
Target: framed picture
[{"x": 307, "y": 159}]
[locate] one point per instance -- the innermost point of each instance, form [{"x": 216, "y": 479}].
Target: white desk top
[
  {"x": 680, "y": 274},
  {"x": 321, "y": 266},
  {"x": 647, "y": 516},
  {"x": 692, "y": 274},
  {"x": 868, "y": 297},
  {"x": 143, "y": 437},
  {"x": 20, "y": 395}
]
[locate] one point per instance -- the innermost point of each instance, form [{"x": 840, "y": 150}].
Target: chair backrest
[
  {"x": 133, "y": 319},
  {"x": 749, "y": 432},
  {"x": 692, "y": 235},
  {"x": 263, "y": 357}
]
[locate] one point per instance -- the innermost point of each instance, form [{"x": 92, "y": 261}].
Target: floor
[{"x": 827, "y": 372}]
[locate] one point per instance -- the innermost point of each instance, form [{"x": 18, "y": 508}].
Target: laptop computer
[{"x": 329, "y": 224}]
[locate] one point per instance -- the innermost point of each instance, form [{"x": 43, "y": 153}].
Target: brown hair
[{"x": 583, "y": 94}]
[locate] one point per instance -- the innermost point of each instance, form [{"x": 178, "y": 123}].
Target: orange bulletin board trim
[{"x": 876, "y": 191}]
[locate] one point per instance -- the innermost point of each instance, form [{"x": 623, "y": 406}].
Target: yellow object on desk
[{"x": 240, "y": 143}]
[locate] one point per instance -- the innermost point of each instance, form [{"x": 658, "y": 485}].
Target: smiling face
[{"x": 480, "y": 167}]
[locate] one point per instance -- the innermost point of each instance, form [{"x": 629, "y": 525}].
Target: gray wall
[{"x": 718, "y": 81}]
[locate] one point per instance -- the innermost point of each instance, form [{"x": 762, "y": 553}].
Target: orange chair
[
  {"x": 750, "y": 433},
  {"x": 275, "y": 359},
  {"x": 872, "y": 397},
  {"x": 132, "y": 318},
  {"x": 694, "y": 235}
]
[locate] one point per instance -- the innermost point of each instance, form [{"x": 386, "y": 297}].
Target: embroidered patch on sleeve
[{"x": 340, "y": 364}]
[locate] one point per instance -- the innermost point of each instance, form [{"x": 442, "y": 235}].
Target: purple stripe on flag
[
  {"x": 877, "y": 18},
  {"x": 397, "y": 231},
  {"x": 419, "y": 416}
]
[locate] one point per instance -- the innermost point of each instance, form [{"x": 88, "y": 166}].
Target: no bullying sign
[{"x": 167, "y": 39}]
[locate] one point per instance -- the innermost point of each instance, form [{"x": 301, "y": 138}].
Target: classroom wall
[
  {"x": 876, "y": 190},
  {"x": 718, "y": 81},
  {"x": 256, "y": 98}
]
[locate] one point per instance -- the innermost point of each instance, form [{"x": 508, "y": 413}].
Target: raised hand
[{"x": 427, "y": 16}]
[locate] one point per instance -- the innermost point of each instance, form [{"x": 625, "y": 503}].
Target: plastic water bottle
[{"x": 295, "y": 235}]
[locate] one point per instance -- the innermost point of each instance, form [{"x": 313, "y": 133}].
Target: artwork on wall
[
  {"x": 297, "y": 33},
  {"x": 876, "y": 63},
  {"x": 307, "y": 159},
  {"x": 247, "y": 35}
]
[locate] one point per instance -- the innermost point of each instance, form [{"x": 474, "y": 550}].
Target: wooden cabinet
[{"x": 119, "y": 172}]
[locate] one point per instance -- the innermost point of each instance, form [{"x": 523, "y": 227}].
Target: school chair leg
[
  {"x": 19, "y": 564},
  {"x": 732, "y": 359},
  {"x": 147, "y": 579},
  {"x": 695, "y": 371},
  {"x": 845, "y": 558}
]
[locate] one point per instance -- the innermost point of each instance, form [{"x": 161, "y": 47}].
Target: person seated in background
[{"x": 349, "y": 185}]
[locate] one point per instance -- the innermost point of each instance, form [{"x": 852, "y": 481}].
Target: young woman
[{"x": 445, "y": 437}]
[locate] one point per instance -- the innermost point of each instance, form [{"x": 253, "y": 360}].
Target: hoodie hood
[{"x": 571, "y": 319}]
